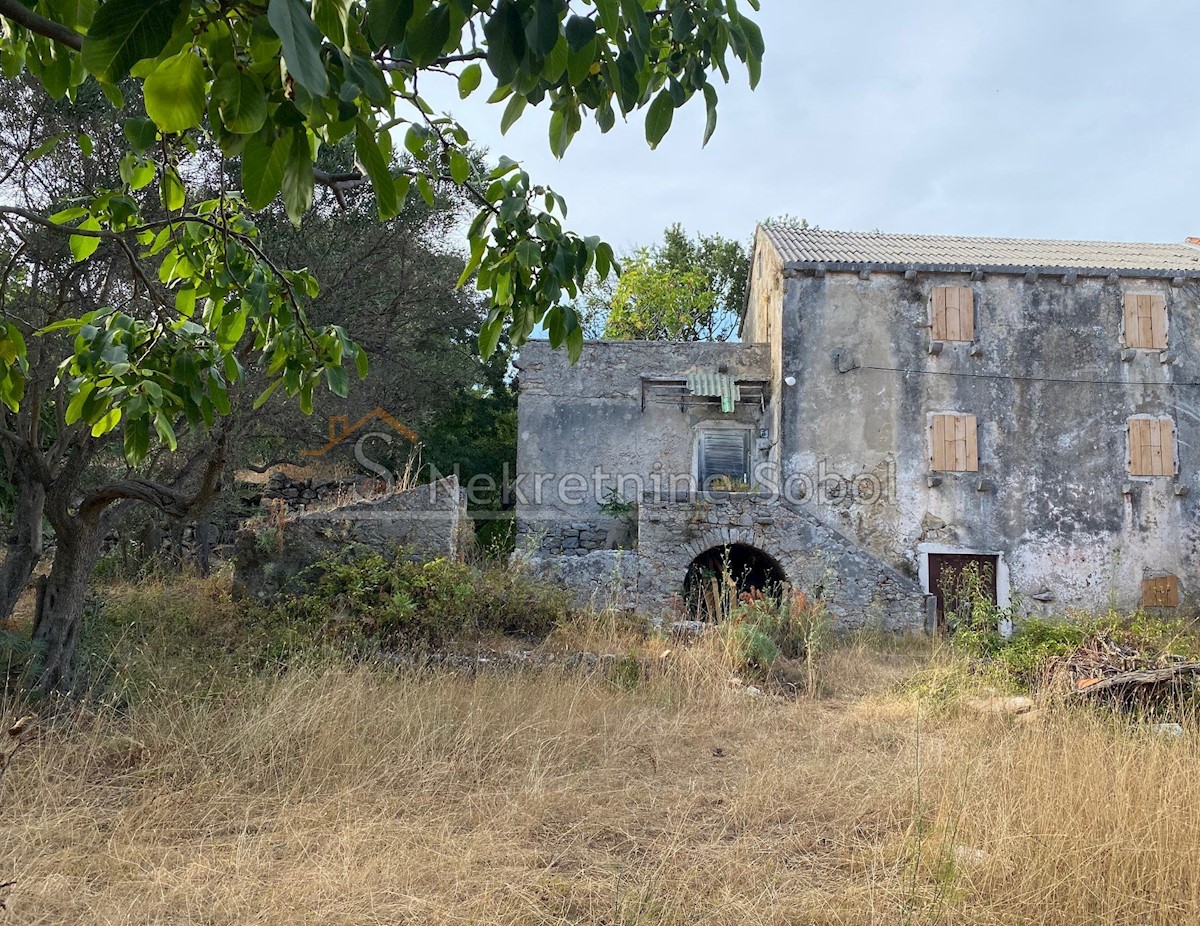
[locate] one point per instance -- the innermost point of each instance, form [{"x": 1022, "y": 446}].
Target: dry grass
[{"x": 359, "y": 797}]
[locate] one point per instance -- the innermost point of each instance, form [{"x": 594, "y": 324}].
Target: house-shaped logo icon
[{"x": 340, "y": 429}]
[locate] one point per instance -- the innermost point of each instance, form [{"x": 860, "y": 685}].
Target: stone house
[{"x": 898, "y": 406}]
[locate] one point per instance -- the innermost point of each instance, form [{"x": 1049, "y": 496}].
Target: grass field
[{"x": 328, "y": 794}]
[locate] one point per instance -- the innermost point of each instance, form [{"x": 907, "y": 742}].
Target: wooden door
[{"x": 946, "y": 580}]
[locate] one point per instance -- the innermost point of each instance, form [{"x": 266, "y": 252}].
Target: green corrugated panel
[{"x": 721, "y": 385}]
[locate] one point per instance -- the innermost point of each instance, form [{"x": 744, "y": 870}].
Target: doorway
[{"x": 955, "y": 578}]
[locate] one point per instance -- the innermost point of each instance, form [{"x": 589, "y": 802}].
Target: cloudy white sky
[{"x": 1057, "y": 118}]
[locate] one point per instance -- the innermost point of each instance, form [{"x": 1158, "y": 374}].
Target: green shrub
[{"x": 367, "y": 601}]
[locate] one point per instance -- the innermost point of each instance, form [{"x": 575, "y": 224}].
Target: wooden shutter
[
  {"x": 1151, "y": 447},
  {"x": 1145, "y": 321},
  {"x": 954, "y": 443},
  {"x": 724, "y": 452},
  {"x": 1160, "y": 592},
  {"x": 952, "y": 313}
]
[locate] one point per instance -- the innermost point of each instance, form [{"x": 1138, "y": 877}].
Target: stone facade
[
  {"x": 426, "y": 522},
  {"x": 845, "y": 377}
]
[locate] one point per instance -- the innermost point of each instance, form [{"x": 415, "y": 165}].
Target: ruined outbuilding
[{"x": 898, "y": 406}]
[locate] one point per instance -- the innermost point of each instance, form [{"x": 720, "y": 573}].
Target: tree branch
[
  {"x": 168, "y": 499},
  {"x": 56, "y": 32}
]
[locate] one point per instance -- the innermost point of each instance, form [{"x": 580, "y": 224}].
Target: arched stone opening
[{"x": 725, "y": 572}]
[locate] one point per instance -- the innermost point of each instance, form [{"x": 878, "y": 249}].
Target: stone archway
[{"x": 725, "y": 570}]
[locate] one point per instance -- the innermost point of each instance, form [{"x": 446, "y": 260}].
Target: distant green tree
[{"x": 683, "y": 289}]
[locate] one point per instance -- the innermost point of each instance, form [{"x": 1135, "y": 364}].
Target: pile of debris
[{"x": 1104, "y": 669}]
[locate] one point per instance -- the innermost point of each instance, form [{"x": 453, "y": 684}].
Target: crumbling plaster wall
[
  {"x": 1056, "y": 499},
  {"x": 582, "y": 426}
]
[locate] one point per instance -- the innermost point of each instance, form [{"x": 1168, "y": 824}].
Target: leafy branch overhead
[{"x": 269, "y": 83}]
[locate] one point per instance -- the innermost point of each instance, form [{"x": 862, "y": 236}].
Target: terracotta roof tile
[{"x": 879, "y": 250}]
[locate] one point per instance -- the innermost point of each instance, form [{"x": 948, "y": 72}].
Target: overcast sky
[{"x": 1012, "y": 117}]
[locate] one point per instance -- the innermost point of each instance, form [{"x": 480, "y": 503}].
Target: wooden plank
[
  {"x": 1147, "y": 450},
  {"x": 1131, "y": 322},
  {"x": 1134, "y": 429},
  {"x": 938, "y": 442},
  {"x": 1158, "y": 322},
  {"x": 1156, "y": 450},
  {"x": 960, "y": 442},
  {"x": 953, "y": 314},
  {"x": 1167, "y": 431},
  {"x": 1145, "y": 323},
  {"x": 938, "y": 313},
  {"x": 972, "y": 444},
  {"x": 1140, "y": 452},
  {"x": 966, "y": 313}
]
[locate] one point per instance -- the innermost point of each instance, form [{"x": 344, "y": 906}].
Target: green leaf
[
  {"x": 172, "y": 190},
  {"x": 428, "y": 36},
  {"x": 505, "y": 41},
  {"x": 361, "y": 363},
  {"x": 331, "y": 17},
  {"x": 387, "y": 20},
  {"x": 610, "y": 16},
  {"x": 469, "y": 80},
  {"x": 580, "y": 31},
  {"x": 338, "y": 380},
  {"x": 301, "y": 44},
  {"x": 658, "y": 118},
  {"x": 166, "y": 432},
  {"x": 512, "y": 112},
  {"x": 241, "y": 99},
  {"x": 710, "y": 102},
  {"x": 298, "y": 179},
  {"x": 266, "y": 394},
  {"x": 123, "y": 33},
  {"x": 107, "y": 422},
  {"x": 560, "y": 133},
  {"x": 542, "y": 31},
  {"x": 174, "y": 92},
  {"x": 140, "y": 133},
  {"x": 262, "y": 169},
  {"x": 755, "y": 49},
  {"x": 231, "y": 329},
  {"x": 372, "y": 158},
  {"x": 84, "y": 246},
  {"x": 460, "y": 167},
  {"x": 489, "y": 334}
]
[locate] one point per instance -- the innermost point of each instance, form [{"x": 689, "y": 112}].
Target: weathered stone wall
[
  {"x": 1052, "y": 389},
  {"x": 590, "y": 427},
  {"x": 426, "y": 522},
  {"x": 858, "y": 588}
]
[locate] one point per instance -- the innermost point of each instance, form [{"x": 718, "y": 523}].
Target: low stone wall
[
  {"x": 575, "y": 538},
  {"x": 601, "y": 579},
  {"x": 426, "y": 522},
  {"x": 859, "y": 590}
]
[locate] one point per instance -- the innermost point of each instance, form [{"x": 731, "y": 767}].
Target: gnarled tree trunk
[
  {"x": 60, "y": 604},
  {"x": 23, "y": 548}
]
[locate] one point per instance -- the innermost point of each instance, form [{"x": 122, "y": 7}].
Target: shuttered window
[
  {"x": 1145, "y": 321},
  {"x": 952, "y": 313},
  {"x": 724, "y": 452},
  {"x": 1151, "y": 447},
  {"x": 1160, "y": 592},
  {"x": 954, "y": 445}
]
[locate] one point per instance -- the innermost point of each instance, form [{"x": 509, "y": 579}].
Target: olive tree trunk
[
  {"x": 23, "y": 548},
  {"x": 60, "y": 605}
]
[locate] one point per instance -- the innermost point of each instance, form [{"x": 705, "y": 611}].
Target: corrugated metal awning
[{"x": 721, "y": 385}]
